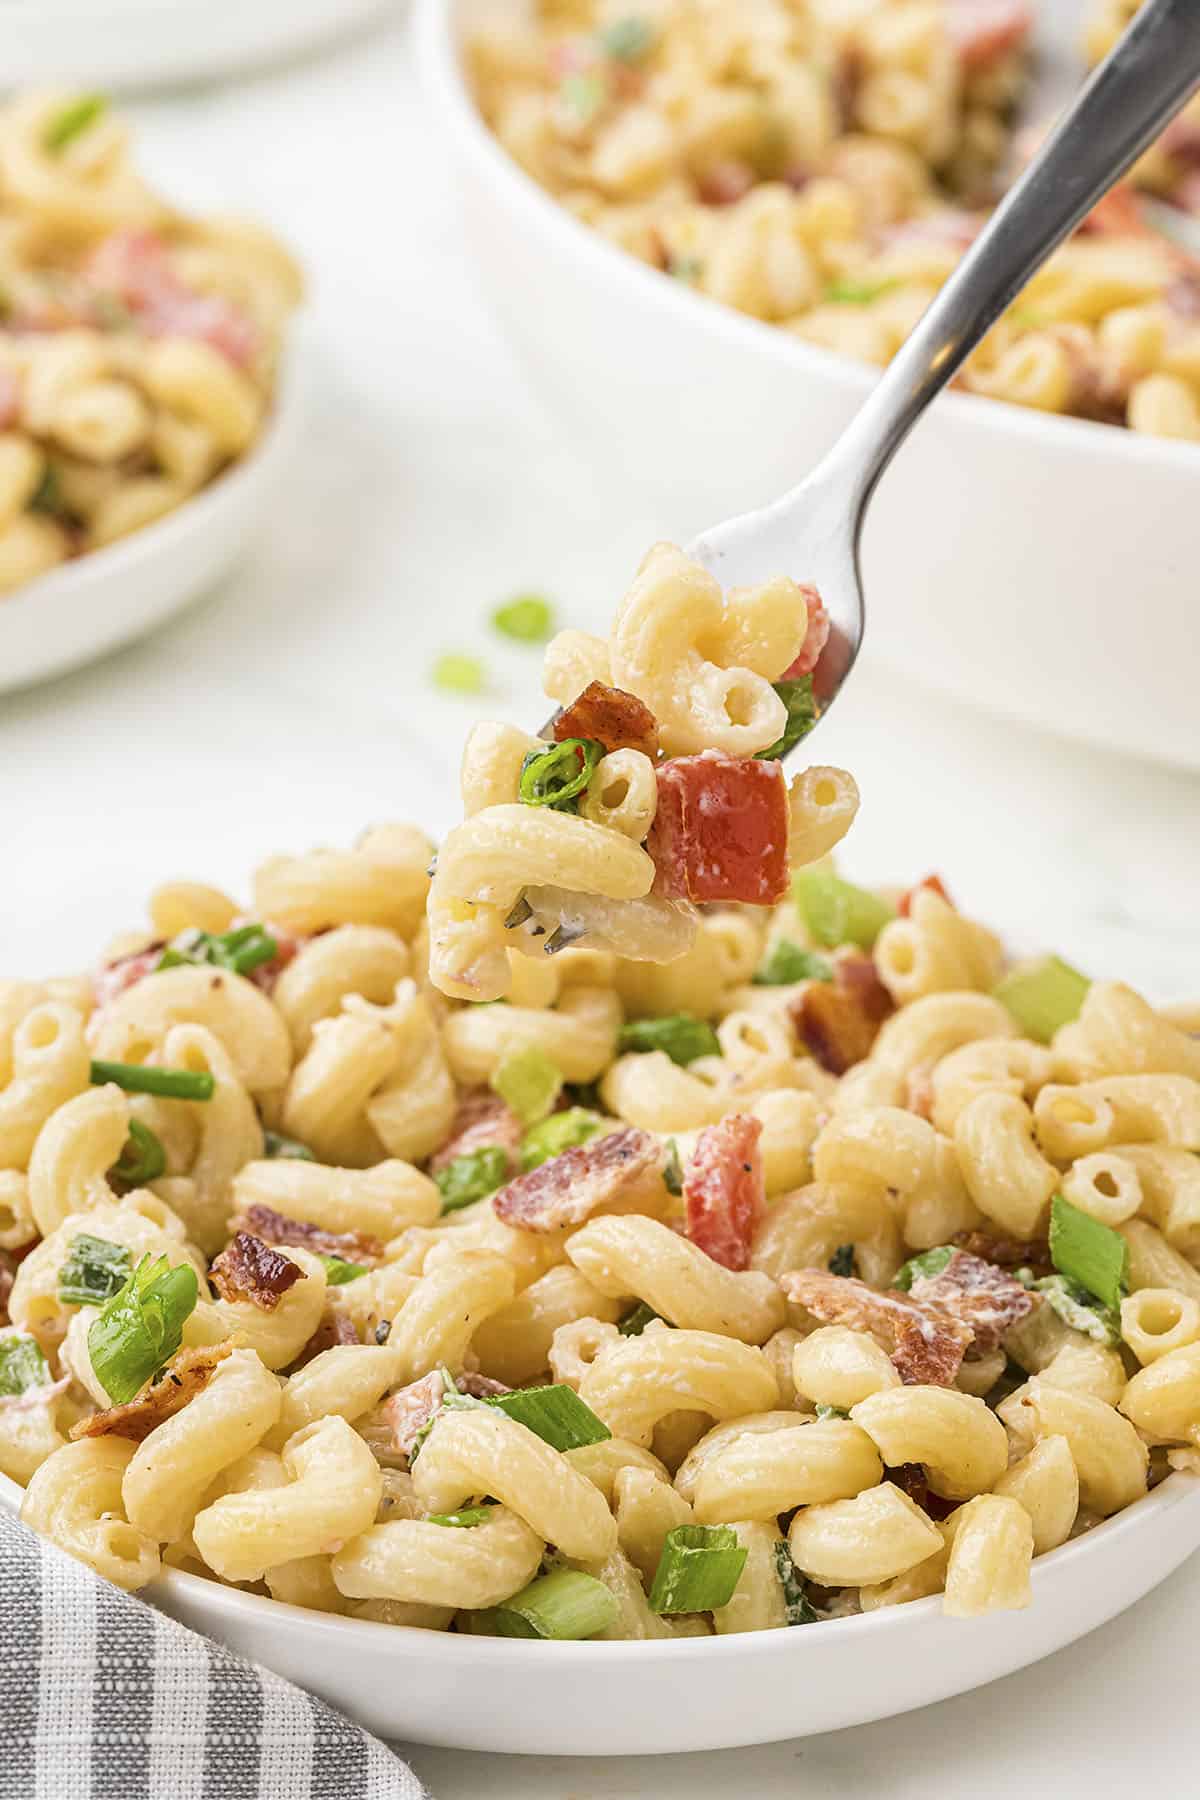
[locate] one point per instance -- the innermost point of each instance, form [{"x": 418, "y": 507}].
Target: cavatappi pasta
[
  {"x": 138, "y": 346},
  {"x": 823, "y": 164}
]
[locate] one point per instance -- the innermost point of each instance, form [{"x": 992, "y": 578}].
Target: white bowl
[
  {"x": 627, "y": 1699},
  {"x": 95, "y": 602},
  {"x": 1042, "y": 567}
]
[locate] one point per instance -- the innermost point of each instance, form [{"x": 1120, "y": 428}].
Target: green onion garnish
[
  {"x": 583, "y": 94},
  {"x": 22, "y": 1364},
  {"x": 469, "y": 1178},
  {"x": 673, "y": 1169},
  {"x": 786, "y": 962},
  {"x": 47, "y": 497},
  {"x": 142, "y": 1160},
  {"x": 338, "y": 1271},
  {"x": 73, "y": 119},
  {"x": 1043, "y": 995},
  {"x": 561, "y": 1131},
  {"x": 564, "y": 1604},
  {"x": 239, "y": 951},
  {"x": 168, "y": 1084},
  {"x": 699, "y": 1568},
  {"x": 1088, "y": 1253},
  {"x": 830, "y": 1412},
  {"x": 1076, "y": 1307},
  {"x": 687, "y": 269},
  {"x": 528, "y": 618},
  {"x": 468, "y": 1516},
  {"x": 681, "y": 1035},
  {"x": 858, "y": 293},
  {"x": 929, "y": 1263},
  {"x": 796, "y": 1601},
  {"x": 836, "y": 912},
  {"x": 555, "y": 1414},
  {"x": 94, "y": 1271},
  {"x": 627, "y": 40},
  {"x": 141, "y": 1326},
  {"x": 842, "y": 1260},
  {"x": 637, "y": 1319},
  {"x": 798, "y": 698},
  {"x": 455, "y": 673},
  {"x": 557, "y": 775},
  {"x": 276, "y": 1145},
  {"x": 529, "y": 1083}
]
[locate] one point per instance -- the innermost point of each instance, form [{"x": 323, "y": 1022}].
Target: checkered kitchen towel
[{"x": 102, "y": 1698}]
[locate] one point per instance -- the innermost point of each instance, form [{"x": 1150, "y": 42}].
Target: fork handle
[{"x": 1139, "y": 87}]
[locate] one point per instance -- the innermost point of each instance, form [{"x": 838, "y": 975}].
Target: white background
[{"x": 293, "y": 707}]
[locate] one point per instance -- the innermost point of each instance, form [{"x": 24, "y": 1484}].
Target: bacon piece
[
  {"x": 1118, "y": 214},
  {"x": 335, "y": 1328},
  {"x": 724, "y": 1189},
  {"x": 113, "y": 978},
  {"x": 483, "y": 1122},
  {"x": 186, "y": 1375},
  {"x": 1007, "y": 1253},
  {"x": 982, "y": 31},
  {"x": 618, "y": 720},
  {"x": 721, "y": 830},
  {"x": 409, "y": 1411},
  {"x": 613, "y": 1171},
  {"x": 933, "y": 883},
  {"x": 815, "y": 638},
  {"x": 277, "y": 1228},
  {"x": 134, "y": 267},
  {"x": 910, "y": 1478},
  {"x": 1182, "y": 294},
  {"x": 954, "y": 227},
  {"x": 839, "y": 1021},
  {"x": 725, "y": 181},
  {"x": 10, "y": 399},
  {"x": 978, "y": 1293},
  {"x": 248, "y": 1269},
  {"x": 926, "y": 1345}
]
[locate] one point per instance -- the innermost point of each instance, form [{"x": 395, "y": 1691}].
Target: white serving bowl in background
[
  {"x": 638, "y": 1698},
  {"x": 96, "y": 602},
  {"x": 1044, "y": 568}
]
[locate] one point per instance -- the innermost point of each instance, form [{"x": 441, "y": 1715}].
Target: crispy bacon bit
[
  {"x": 815, "y": 638},
  {"x": 10, "y": 399},
  {"x": 483, "y": 1121},
  {"x": 409, "y": 1411},
  {"x": 113, "y": 978},
  {"x": 926, "y": 1345},
  {"x": 982, "y": 31},
  {"x": 978, "y": 1293},
  {"x": 612, "y": 1172},
  {"x": 335, "y": 1328},
  {"x": 725, "y": 181},
  {"x": 935, "y": 885},
  {"x": 618, "y": 720},
  {"x": 133, "y": 267},
  {"x": 248, "y": 1269},
  {"x": 1007, "y": 1253},
  {"x": 721, "y": 830},
  {"x": 724, "y": 1190},
  {"x": 185, "y": 1376},
  {"x": 277, "y": 1228},
  {"x": 839, "y": 1021},
  {"x": 910, "y": 1478},
  {"x": 1182, "y": 294}
]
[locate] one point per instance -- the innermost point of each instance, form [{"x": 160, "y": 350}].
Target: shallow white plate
[
  {"x": 627, "y": 1699},
  {"x": 93, "y": 603},
  {"x": 1042, "y": 567},
  {"x": 148, "y": 43}
]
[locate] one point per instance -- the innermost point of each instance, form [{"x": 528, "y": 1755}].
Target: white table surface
[{"x": 293, "y": 707}]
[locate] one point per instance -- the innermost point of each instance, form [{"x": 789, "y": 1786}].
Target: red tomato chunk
[
  {"x": 934, "y": 883},
  {"x": 724, "y": 1190},
  {"x": 721, "y": 831}
]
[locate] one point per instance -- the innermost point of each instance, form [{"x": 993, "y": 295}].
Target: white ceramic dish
[
  {"x": 626, "y": 1699},
  {"x": 131, "y": 44},
  {"x": 1042, "y": 567},
  {"x": 96, "y": 602}
]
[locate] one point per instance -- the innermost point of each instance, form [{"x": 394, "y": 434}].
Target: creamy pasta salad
[
  {"x": 823, "y": 164},
  {"x": 633, "y": 1229},
  {"x": 137, "y": 345}
]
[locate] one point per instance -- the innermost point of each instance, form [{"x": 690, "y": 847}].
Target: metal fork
[{"x": 813, "y": 531}]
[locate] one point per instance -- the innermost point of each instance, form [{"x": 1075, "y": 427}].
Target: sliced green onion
[
  {"x": 48, "y": 497},
  {"x": 842, "y": 1260},
  {"x": 795, "y": 1600},
  {"x": 564, "y": 1604},
  {"x": 142, "y": 1160},
  {"x": 469, "y": 1178},
  {"x": 836, "y": 912},
  {"x": 627, "y": 40},
  {"x": 830, "y": 1412},
  {"x": 786, "y": 962},
  {"x": 557, "y": 775},
  {"x": 528, "y": 618},
  {"x": 94, "y": 1271},
  {"x": 529, "y": 1083},
  {"x": 455, "y": 673},
  {"x": 801, "y": 706},
  {"x": 168, "y": 1084},
  {"x": 858, "y": 293},
  {"x": 555, "y": 1414},
  {"x": 464, "y": 1519},
  {"x": 583, "y": 94},
  {"x": 1043, "y": 995},
  {"x": 681, "y": 1035},
  {"x": 1077, "y": 1308},
  {"x": 276, "y": 1145},
  {"x": 1091, "y": 1254},
  {"x": 141, "y": 1326},
  {"x": 699, "y": 1568},
  {"x": 673, "y": 1170},
  {"x": 338, "y": 1271},
  {"x": 636, "y": 1321},
  {"x": 561, "y": 1131},
  {"x": 929, "y": 1263},
  {"x": 688, "y": 269},
  {"x": 239, "y": 951},
  {"x": 23, "y": 1365},
  {"x": 73, "y": 119}
]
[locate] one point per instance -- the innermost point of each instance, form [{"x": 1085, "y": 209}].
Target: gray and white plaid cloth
[{"x": 104, "y": 1698}]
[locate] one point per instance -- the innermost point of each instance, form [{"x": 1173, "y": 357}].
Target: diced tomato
[
  {"x": 815, "y": 638},
  {"x": 1118, "y": 214},
  {"x": 985, "y": 30},
  {"x": 287, "y": 948},
  {"x": 114, "y": 977},
  {"x": 133, "y": 266},
  {"x": 935, "y": 885},
  {"x": 721, "y": 830},
  {"x": 724, "y": 1190}
]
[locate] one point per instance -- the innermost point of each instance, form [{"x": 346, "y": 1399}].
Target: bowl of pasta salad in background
[
  {"x": 143, "y": 416},
  {"x": 607, "y": 1257},
  {"x": 702, "y": 225}
]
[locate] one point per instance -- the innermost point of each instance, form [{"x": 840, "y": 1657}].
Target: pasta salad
[
  {"x": 632, "y": 1230},
  {"x": 138, "y": 346},
  {"x": 822, "y": 165}
]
